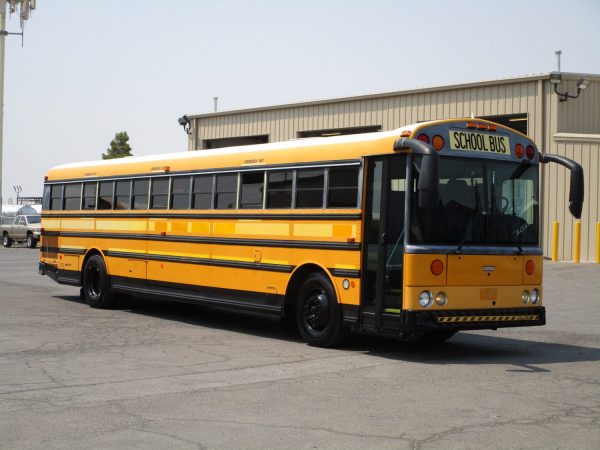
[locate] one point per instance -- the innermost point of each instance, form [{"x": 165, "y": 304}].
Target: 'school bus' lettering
[{"x": 375, "y": 232}]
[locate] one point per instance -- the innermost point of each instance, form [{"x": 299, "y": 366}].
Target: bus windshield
[{"x": 482, "y": 202}]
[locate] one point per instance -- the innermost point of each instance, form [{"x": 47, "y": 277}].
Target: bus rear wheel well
[
  {"x": 294, "y": 285},
  {"x": 87, "y": 256}
]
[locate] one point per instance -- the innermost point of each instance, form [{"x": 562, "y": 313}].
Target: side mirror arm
[{"x": 576, "y": 188}]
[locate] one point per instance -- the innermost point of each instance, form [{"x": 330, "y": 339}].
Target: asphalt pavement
[{"x": 150, "y": 374}]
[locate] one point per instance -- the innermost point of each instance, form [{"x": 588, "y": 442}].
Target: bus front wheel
[
  {"x": 96, "y": 283},
  {"x": 318, "y": 314}
]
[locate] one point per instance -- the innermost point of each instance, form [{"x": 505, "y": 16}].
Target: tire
[
  {"x": 6, "y": 240},
  {"x": 318, "y": 314},
  {"x": 437, "y": 336},
  {"x": 96, "y": 283},
  {"x": 31, "y": 241}
]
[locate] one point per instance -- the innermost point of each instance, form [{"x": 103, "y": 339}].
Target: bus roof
[{"x": 298, "y": 151}]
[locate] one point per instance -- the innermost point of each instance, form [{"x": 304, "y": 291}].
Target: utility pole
[
  {"x": 25, "y": 6},
  {"x": 2, "y": 39}
]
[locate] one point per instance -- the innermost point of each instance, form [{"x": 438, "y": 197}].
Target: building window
[
  {"x": 89, "y": 195},
  {"x": 105, "y": 199},
  {"x": 309, "y": 188},
  {"x": 73, "y": 196},
  {"x": 180, "y": 192},
  {"x": 160, "y": 193},
  {"x": 122, "y": 194},
  {"x": 203, "y": 187},
  {"x": 339, "y": 131},
  {"x": 343, "y": 187},
  {"x": 235, "y": 141},
  {"x": 253, "y": 186},
  {"x": 226, "y": 191},
  {"x": 140, "y": 193}
]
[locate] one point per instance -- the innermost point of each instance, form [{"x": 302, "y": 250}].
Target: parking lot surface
[{"x": 148, "y": 374}]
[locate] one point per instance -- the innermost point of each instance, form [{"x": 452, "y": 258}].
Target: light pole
[{"x": 25, "y": 10}]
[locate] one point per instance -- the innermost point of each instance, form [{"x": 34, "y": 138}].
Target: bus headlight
[
  {"x": 441, "y": 298},
  {"x": 526, "y": 296},
  {"x": 425, "y": 298},
  {"x": 535, "y": 296}
]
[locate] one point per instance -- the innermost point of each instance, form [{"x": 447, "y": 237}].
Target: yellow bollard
[
  {"x": 555, "y": 227},
  {"x": 576, "y": 241},
  {"x": 598, "y": 242}
]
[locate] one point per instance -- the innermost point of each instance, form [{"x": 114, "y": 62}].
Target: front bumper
[{"x": 472, "y": 319}]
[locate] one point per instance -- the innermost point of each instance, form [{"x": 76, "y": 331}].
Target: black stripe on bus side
[
  {"x": 346, "y": 273},
  {"x": 321, "y": 245},
  {"x": 85, "y": 215},
  {"x": 250, "y": 301},
  {"x": 201, "y": 261},
  {"x": 236, "y": 169}
]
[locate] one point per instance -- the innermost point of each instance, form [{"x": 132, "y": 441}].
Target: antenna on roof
[
  {"x": 558, "y": 53},
  {"x": 215, "y": 99}
]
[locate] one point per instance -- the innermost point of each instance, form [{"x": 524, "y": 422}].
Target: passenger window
[
  {"x": 343, "y": 187},
  {"x": 105, "y": 198},
  {"x": 46, "y": 198},
  {"x": 226, "y": 191},
  {"x": 253, "y": 186},
  {"x": 140, "y": 193},
  {"x": 180, "y": 192},
  {"x": 160, "y": 193},
  {"x": 203, "y": 186},
  {"x": 123, "y": 193},
  {"x": 309, "y": 188},
  {"x": 72, "y": 196},
  {"x": 56, "y": 196},
  {"x": 279, "y": 189},
  {"x": 89, "y": 195}
]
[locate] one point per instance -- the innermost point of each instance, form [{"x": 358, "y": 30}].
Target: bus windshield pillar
[{"x": 429, "y": 179}]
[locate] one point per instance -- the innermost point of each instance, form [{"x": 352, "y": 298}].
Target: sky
[{"x": 89, "y": 69}]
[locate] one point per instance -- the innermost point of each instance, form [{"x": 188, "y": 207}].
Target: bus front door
[{"x": 384, "y": 244}]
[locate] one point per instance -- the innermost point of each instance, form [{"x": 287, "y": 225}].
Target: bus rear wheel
[
  {"x": 96, "y": 283},
  {"x": 318, "y": 314}
]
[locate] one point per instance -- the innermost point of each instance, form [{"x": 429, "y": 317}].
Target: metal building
[{"x": 546, "y": 107}]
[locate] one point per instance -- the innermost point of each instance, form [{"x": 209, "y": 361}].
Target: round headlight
[
  {"x": 526, "y": 296},
  {"x": 425, "y": 299},
  {"x": 441, "y": 298},
  {"x": 535, "y": 296}
]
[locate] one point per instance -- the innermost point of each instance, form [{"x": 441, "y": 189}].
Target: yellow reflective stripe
[{"x": 487, "y": 318}]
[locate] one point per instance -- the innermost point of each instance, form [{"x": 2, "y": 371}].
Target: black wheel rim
[
  {"x": 93, "y": 282},
  {"x": 316, "y": 311}
]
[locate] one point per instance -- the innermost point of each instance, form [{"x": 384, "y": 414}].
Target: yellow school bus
[{"x": 415, "y": 233}]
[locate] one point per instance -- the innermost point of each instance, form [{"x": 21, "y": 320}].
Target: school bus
[{"x": 416, "y": 233}]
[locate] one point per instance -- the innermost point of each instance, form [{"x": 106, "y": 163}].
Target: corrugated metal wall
[
  {"x": 550, "y": 123},
  {"x": 390, "y": 112}
]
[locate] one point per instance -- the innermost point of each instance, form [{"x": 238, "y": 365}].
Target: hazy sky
[{"x": 91, "y": 68}]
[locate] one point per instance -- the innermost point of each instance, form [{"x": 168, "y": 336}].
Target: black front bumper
[{"x": 472, "y": 319}]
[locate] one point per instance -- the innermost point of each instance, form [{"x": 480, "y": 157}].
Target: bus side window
[
  {"x": 56, "y": 196},
  {"x": 226, "y": 191},
  {"x": 89, "y": 195},
  {"x": 203, "y": 187},
  {"x": 123, "y": 194},
  {"x": 180, "y": 192},
  {"x": 279, "y": 189},
  {"x": 72, "y": 196},
  {"x": 140, "y": 193},
  {"x": 309, "y": 188},
  {"x": 46, "y": 198},
  {"x": 160, "y": 193},
  {"x": 253, "y": 186},
  {"x": 343, "y": 187},
  {"x": 105, "y": 197}
]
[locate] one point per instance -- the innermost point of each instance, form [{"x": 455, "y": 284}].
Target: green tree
[{"x": 119, "y": 148}]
